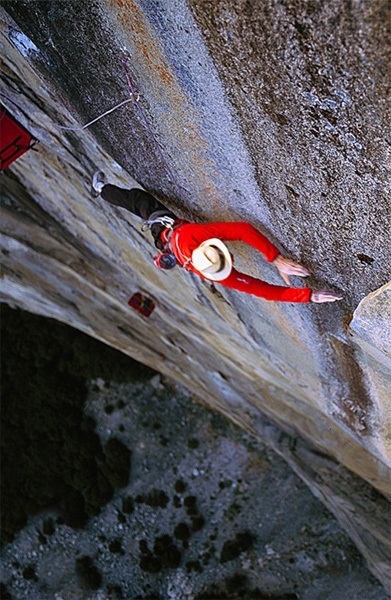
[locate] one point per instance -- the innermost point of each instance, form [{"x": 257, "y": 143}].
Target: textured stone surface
[
  {"x": 273, "y": 113},
  {"x": 310, "y": 83},
  {"x": 371, "y": 332}
]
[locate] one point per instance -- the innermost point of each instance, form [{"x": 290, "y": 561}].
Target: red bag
[
  {"x": 142, "y": 304},
  {"x": 15, "y": 140}
]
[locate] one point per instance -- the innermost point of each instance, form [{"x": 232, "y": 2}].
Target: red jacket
[{"x": 189, "y": 236}]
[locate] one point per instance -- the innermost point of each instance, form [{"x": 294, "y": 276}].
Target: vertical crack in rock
[{"x": 354, "y": 403}]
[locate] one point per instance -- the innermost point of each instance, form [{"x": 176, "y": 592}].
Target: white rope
[{"x": 97, "y": 118}]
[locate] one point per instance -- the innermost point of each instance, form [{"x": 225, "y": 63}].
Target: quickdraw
[{"x": 166, "y": 221}]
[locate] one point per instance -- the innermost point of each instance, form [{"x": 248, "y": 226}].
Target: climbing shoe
[{"x": 98, "y": 182}]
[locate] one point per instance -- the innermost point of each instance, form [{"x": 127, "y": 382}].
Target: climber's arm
[
  {"x": 242, "y": 232},
  {"x": 245, "y": 232},
  {"x": 261, "y": 289}
]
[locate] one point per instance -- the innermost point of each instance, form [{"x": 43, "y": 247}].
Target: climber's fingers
[
  {"x": 287, "y": 267},
  {"x": 325, "y": 296}
]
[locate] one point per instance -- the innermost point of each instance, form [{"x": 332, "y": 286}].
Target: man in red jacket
[{"x": 201, "y": 248}]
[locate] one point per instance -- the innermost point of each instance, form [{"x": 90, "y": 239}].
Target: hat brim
[{"x": 227, "y": 268}]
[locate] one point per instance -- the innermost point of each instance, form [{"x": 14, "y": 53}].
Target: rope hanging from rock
[
  {"x": 97, "y": 118},
  {"x": 135, "y": 99}
]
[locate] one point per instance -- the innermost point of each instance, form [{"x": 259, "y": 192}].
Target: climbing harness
[
  {"x": 172, "y": 254},
  {"x": 166, "y": 259},
  {"x": 183, "y": 260}
]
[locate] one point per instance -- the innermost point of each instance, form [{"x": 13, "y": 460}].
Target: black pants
[{"x": 140, "y": 203}]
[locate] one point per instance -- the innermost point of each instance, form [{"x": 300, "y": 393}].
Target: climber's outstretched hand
[
  {"x": 325, "y": 296},
  {"x": 287, "y": 267}
]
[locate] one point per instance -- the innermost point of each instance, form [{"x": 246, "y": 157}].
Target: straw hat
[{"x": 213, "y": 259}]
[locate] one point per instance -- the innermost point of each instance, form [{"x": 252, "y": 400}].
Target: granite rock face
[{"x": 274, "y": 113}]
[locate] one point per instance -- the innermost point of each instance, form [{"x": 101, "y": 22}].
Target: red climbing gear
[
  {"x": 15, "y": 140},
  {"x": 142, "y": 304}
]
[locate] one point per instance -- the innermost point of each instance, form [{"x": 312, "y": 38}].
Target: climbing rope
[
  {"x": 75, "y": 128},
  {"x": 97, "y": 118},
  {"x": 135, "y": 99}
]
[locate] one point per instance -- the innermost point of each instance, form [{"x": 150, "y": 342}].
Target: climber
[{"x": 201, "y": 248}]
